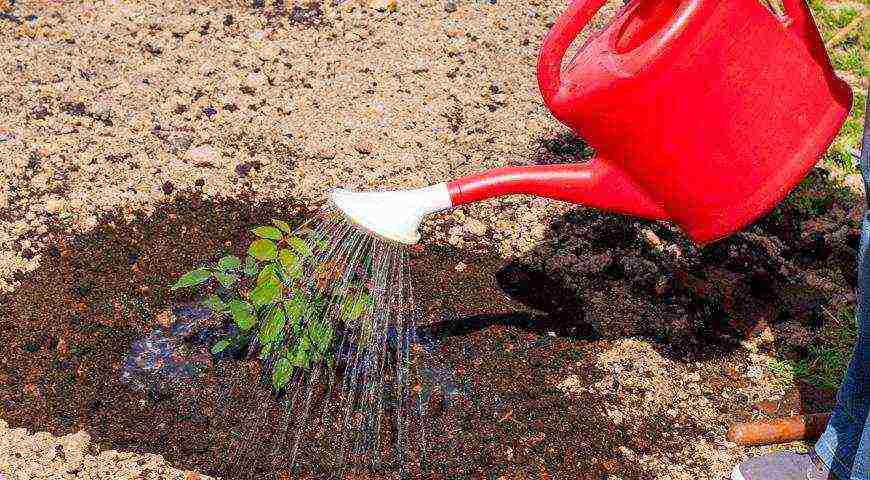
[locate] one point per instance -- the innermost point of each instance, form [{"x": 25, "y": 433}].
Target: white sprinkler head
[{"x": 394, "y": 215}]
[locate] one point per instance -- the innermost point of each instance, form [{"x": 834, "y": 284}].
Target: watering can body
[{"x": 705, "y": 113}]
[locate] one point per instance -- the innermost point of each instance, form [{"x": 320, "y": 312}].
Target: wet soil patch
[{"x": 98, "y": 308}]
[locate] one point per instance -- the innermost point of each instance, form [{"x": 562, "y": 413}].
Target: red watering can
[{"x": 705, "y": 113}]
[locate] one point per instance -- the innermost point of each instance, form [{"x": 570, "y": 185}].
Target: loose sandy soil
[
  {"x": 26, "y": 456},
  {"x": 122, "y": 104},
  {"x": 119, "y": 106}
]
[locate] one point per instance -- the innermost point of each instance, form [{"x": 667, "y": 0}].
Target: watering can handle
[
  {"x": 556, "y": 43},
  {"x": 580, "y": 12},
  {"x": 803, "y": 26}
]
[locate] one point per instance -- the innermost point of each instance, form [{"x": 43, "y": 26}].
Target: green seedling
[{"x": 287, "y": 299}]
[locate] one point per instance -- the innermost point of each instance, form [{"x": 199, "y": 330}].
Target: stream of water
[{"x": 351, "y": 394}]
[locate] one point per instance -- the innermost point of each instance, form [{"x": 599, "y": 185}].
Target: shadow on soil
[{"x": 774, "y": 285}]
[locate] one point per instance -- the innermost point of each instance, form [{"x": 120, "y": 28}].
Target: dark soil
[
  {"x": 67, "y": 331},
  {"x": 500, "y": 337}
]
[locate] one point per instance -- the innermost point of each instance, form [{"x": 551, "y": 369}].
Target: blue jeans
[{"x": 845, "y": 445}]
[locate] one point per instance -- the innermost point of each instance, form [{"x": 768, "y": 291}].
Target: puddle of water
[{"x": 174, "y": 355}]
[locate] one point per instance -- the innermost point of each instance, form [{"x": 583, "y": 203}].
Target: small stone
[
  {"x": 255, "y": 80},
  {"x": 766, "y": 337},
  {"x": 168, "y": 188},
  {"x": 39, "y": 112},
  {"x": 203, "y": 154},
  {"x": 180, "y": 143},
  {"x": 363, "y": 147},
  {"x": 123, "y": 89},
  {"x": 450, "y": 6},
  {"x": 652, "y": 239},
  {"x": 53, "y": 205},
  {"x": 268, "y": 52},
  {"x": 193, "y": 37},
  {"x": 243, "y": 169},
  {"x": 571, "y": 384},
  {"x": 617, "y": 416},
  {"x": 475, "y": 227},
  {"x": 460, "y": 267},
  {"x": 258, "y": 35},
  {"x": 6, "y": 135},
  {"x": 627, "y": 452},
  {"x": 855, "y": 183},
  {"x": 385, "y": 5}
]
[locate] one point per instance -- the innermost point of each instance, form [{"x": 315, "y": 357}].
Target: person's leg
[
  {"x": 845, "y": 445},
  {"x": 843, "y": 451}
]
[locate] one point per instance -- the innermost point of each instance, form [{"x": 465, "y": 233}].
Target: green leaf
[
  {"x": 266, "y": 293},
  {"x": 263, "y": 250},
  {"x": 284, "y": 226},
  {"x": 321, "y": 333},
  {"x": 265, "y": 351},
  {"x": 290, "y": 262},
  {"x": 215, "y": 303},
  {"x": 220, "y": 347},
  {"x": 226, "y": 280},
  {"x": 270, "y": 331},
  {"x": 269, "y": 232},
  {"x": 243, "y": 314},
  {"x": 301, "y": 246},
  {"x": 293, "y": 311},
  {"x": 354, "y": 308},
  {"x": 267, "y": 274},
  {"x": 230, "y": 262},
  {"x": 281, "y": 373},
  {"x": 319, "y": 241},
  {"x": 192, "y": 278},
  {"x": 250, "y": 266},
  {"x": 300, "y": 358}
]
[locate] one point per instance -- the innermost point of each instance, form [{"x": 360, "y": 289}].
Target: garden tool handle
[{"x": 556, "y": 43}]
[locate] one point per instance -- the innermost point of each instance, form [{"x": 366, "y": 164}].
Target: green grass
[
  {"x": 828, "y": 358},
  {"x": 847, "y": 56}
]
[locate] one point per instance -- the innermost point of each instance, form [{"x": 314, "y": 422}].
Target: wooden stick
[
  {"x": 784, "y": 430},
  {"x": 845, "y": 31}
]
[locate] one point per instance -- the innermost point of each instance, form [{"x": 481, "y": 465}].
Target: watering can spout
[
  {"x": 596, "y": 184},
  {"x": 392, "y": 214},
  {"x": 396, "y": 215}
]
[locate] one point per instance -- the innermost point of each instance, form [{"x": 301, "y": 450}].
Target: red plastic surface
[{"x": 703, "y": 112}]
